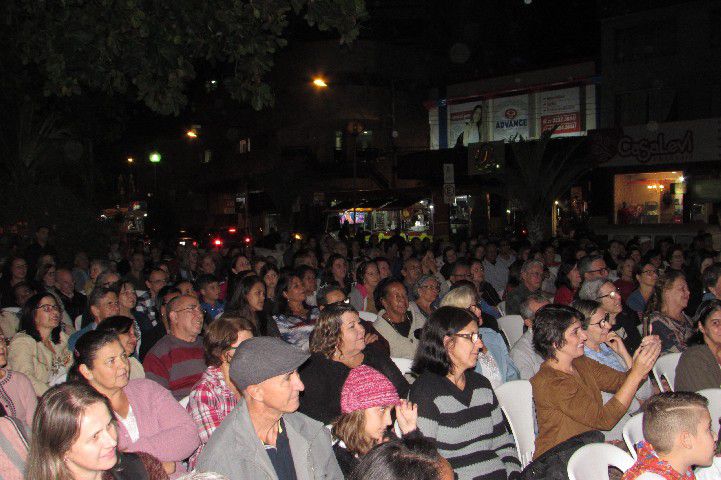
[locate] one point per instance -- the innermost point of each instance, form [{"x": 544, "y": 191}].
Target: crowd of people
[{"x": 155, "y": 361}]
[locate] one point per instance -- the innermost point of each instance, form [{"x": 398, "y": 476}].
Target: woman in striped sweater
[{"x": 456, "y": 406}]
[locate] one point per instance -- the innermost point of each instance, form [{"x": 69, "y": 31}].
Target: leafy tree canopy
[{"x": 151, "y": 49}]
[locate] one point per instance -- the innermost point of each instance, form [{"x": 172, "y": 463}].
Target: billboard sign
[
  {"x": 510, "y": 117},
  {"x": 561, "y": 108}
]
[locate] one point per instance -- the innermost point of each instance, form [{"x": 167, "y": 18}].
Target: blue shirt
[
  {"x": 498, "y": 350},
  {"x": 606, "y": 357},
  {"x": 213, "y": 310},
  {"x": 636, "y": 302},
  {"x": 76, "y": 336}
]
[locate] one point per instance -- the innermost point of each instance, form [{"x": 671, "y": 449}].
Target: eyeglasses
[
  {"x": 47, "y": 308},
  {"x": 613, "y": 294},
  {"x": 602, "y": 323},
  {"x": 194, "y": 308},
  {"x": 473, "y": 337},
  {"x": 600, "y": 270}
]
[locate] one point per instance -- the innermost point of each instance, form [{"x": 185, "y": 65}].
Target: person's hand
[
  {"x": 616, "y": 344},
  {"x": 645, "y": 357},
  {"x": 370, "y": 338},
  {"x": 169, "y": 467},
  {"x": 407, "y": 416}
]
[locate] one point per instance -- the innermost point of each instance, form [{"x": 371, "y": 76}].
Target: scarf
[{"x": 649, "y": 462}]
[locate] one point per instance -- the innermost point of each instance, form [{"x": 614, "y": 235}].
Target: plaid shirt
[
  {"x": 146, "y": 306},
  {"x": 211, "y": 400}
]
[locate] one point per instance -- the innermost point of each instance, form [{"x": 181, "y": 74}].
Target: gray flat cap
[{"x": 260, "y": 358}]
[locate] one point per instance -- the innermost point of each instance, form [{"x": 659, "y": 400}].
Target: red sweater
[{"x": 175, "y": 364}]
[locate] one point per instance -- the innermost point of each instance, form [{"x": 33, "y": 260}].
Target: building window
[
  {"x": 643, "y": 198},
  {"x": 244, "y": 145},
  {"x": 641, "y": 42},
  {"x": 338, "y": 141}
]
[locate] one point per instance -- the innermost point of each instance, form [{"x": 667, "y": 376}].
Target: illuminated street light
[
  {"x": 131, "y": 159},
  {"x": 191, "y": 133},
  {"x": 155, "y": 157},
  {"x": 320, "y": 82}
]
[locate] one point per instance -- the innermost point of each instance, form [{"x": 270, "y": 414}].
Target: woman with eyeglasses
[
  {"x": 215, "y": 396},
  {"x": 426, "y": 292},
  {"x": 623, "y": 320},
  {"x": 456, "y": 405},
  {"x": 40, "y": 349},
  {"x": 646, "y": 274},
  {"x": 665, "y": 314}
]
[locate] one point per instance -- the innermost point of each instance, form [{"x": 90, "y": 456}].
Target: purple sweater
[{"x": 166, "y": 430}]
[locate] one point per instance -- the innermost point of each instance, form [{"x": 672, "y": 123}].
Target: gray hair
[
  {"x": 529, "y": 263},
  {"x": 587, "y": 309},
  {"x": 589, "y": 289},
  {"x": 419, "y": 283},
  {"x": 203, "y": 476},
  {"x": 525, "y": 309},
  {"x": 584, "y": 264}
]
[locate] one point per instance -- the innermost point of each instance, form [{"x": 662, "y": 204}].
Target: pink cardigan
[{"x": 166, "y": 430}]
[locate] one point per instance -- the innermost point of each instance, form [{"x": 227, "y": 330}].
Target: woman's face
[
  {"x": 295, "y": 292},
  {"x": 256, "y": 297},
  {"x": 309, "y": 283},
  {"x": 429, "y": 290},
  {"x": 352, "y": 335},
  {"x": 95, "y": 448},
  {"x": 479, "y": 252},
  {"x": 676, "y": 260},
  {"x": 677, "y": 295},
  {"x": 47, "y": 314},
  {"x": 339, "y": 269},
  {"x": 384, "y": 269},
  {"x": 129, "y": 341},
  {"x": 627, "y": 268},
  {"x": 462, "y": 350},
  {"x": 610, "y": 298},
  {"x": 110, "y": 369},
  {"x": 598, "y": 328},
  {"x": 574, "y": 277},
  {"x": 635, "y": 255},
  {"x": 207, "y": 266},
  {"x": 258, "y": 266},
  {"x": 271, "y": 279},
  {"x": 574, "y": 337},
  {"x": 377, "y": 421},
  {"x": 396, "y": 299},
  {"x": 372, "y": 276},
  {"x": 648, "y": 276},
  {"x": 711, "y": 331},
  {"x": 478, "y": 274},
  {"x": 19, "y": 269},
  {"x": 127, "y": 297},
  {"x": 49, "y": 277},
  {"x": 549, "y": 256},
  {"x": 241, "y": 264},
  {"x": 95, "y": 270}
]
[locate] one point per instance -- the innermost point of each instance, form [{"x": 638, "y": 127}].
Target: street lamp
[
  {"x": 131, "y": 160},
  {"x": 320, "y": 82},
  {"x": 155, "y": 158}
]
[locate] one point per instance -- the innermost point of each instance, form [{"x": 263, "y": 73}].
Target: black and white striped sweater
[{"x": 467, "y": 426}]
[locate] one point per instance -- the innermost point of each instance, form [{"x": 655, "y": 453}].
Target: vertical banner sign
[
  {"x": 510, "y": 117},
  {"x": 448, "y": 173},
  {"x": 562, "y": 108},
  {"x": 449, "y": 193}
]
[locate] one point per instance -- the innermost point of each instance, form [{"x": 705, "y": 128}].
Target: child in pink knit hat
[{"x": 366, "y": 402}]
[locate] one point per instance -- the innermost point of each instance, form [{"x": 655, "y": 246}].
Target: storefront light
[{"x": 681, "y": 179}]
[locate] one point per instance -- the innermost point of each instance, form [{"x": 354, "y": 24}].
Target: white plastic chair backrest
[
  {"x": 140, "y": 293},
  {"x": 516, "y": 401},
  {"x": 502, "y": 307},
  {"x": 368, "y": 316},
  {"x": 512, "y": 328},
  {"x": 633, "y": 433},
  {"x": 714, "y": 405},
  {"x": 184, "y": 401},
  {"x": 78, "y": 322},
  {"x": 403, "y": 364},
  {"x": 666, "y": 367},
  {"x": 591, "y": 461}
]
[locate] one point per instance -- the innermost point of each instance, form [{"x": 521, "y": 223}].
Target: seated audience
[
  {"x": 148, "y": 331},
  {"x": 396, "y": 323},
  {"x": 40, "y": 350},
  {"x": 677, "y": 436},
  {"x": 665, "y": 312},
  {"x": 366, "y": 402},
  {"x": 711, "y": 278},
  {"x": 456, "y": 406},
  {"x": 17, "y": 395},
  {"x": 568, "y": 281},
  {"x": 14, "y": 445},
  {"x": 338, "y": 346},
  {"x": 626, "y": 284},
  {"x": 524, "y": 355},
  {"x": 210, "y": 302},
  {"x": 567, "y": 389},
  {"x": 247, "y": 301},
  {"x": 75, "y": 437},
  {"x": 176, "y": 360},
  {"x": 260, "y": 437},
  {"x": 425, "y": 292},
  {"x": 531, "y": 280},
  {"x": 698, "y": 368},
  {"x": 486, "y": 291},
  {"x": 361, "y": 295},
  {"x": 215, "y": 396},
  {"x": 623, "y": 320},
  {"x": 125, "y": 329},
  {"x": 149, "y": 418},
  {"x": 646, "y": 275},
  {"x": 295, "y": 320},
  {"x": 408, "y": 458},
  {"x": 102, "y": 303}
]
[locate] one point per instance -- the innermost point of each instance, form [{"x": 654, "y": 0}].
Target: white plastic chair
[
  {"x": 403, "y": 364},
  {"x": 512, "y": 328},
  {"x": 502, "y": 307},
  {"x": 666, "y": 367},
  {"x": 78, "y": 322},
  {"x": 633, "y": 433},
  {"x": 714, "y": 405},
  {"x": 591, "y": 461},
  {"x": 184, "y": 401},
  {"x": 516, "y": 401},
  {"x": 368, "y": 316}
]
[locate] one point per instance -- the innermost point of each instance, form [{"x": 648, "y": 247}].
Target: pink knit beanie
[{"x": 366, "y": 387}]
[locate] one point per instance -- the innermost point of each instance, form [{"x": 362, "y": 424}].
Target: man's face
[
  {"x": 64, "y": 281},
  {"x": 703, "y": 442},
  {"x": 42, "y": 235},
  {"x": 211, "y": 292},
  {"x": 157, "y": 280},
  {"x": 282, "y": 393},
  {"x": 533, "y": 277},
  {"x": 186, "y": 318},
  {"x": 491, "y": 252},
  {"x": 460, "y": 272},
  {"x": 107, "y": 307},
  {"x": 411, "y": 271},
  {"x": 598, "y": 270},
  {"x": 137, "y": 263}
]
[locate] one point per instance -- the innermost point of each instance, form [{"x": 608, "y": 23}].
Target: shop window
[{"x": 644, "y": 198}]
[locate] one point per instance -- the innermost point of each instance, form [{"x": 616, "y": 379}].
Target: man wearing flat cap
[{"x": 264, "y": 437}]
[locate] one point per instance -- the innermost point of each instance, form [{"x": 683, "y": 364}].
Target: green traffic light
[{"x": 155, "y": 157}]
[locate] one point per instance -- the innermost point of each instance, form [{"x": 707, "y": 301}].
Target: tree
[{"x": 539, "y": 172}]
